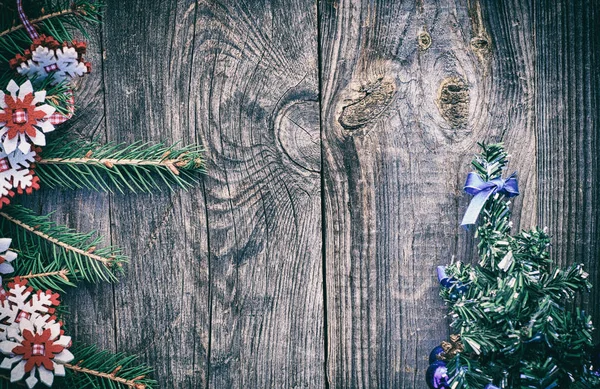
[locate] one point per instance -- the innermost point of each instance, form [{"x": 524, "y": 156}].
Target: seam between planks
[{"x": 323, "y": 207}]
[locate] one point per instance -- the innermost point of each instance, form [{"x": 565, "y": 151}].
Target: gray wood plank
[
  {"x": 161, "y": 306},
  {"x": 568, "y": 118},
  {"x": 408, "y": 90},
  {"x": 255, "y": 100}
]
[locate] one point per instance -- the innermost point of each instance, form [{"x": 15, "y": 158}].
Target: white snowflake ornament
[
  {"x": 24, "y": 117},
  {"x": 20, "y": 303},
  {"x": 17, "y": 174},
  {"x": 6, "y": 257},
  {"x": 36, "y": 347},
  {"x": 48, "y": 59}
]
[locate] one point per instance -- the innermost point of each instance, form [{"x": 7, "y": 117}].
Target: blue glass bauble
[{"x": 434, "y": 353}]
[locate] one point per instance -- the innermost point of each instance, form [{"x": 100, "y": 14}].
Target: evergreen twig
[
  {"x": 137, "y": 167},
  {"x": 102, "y": 369},
  {"x": 76, "y": 252}
]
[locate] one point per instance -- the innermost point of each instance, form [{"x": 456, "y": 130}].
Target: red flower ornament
[
  {"x": 36, "y": 347},
  {"x": 23, "y": 117}
]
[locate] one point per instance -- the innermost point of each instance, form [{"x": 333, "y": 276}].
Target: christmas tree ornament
[
  {"x": 437, "y": 375},
  {"x": 516, "y": 321},
  {"x": 21, "y": 302},
  {"x": 36, "y": 347},
  {"x": 17, "y": 173},
  {"x": 436, "y": 354},
  {"x": 49, "y": 60}
]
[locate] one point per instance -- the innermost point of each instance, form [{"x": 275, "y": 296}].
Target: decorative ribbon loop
[
  {"x": 33, "y": 34},
  {"x": 482, "y": 190}
]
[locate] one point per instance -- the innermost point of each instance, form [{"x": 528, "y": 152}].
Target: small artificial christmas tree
[{"x": 516, "y": 317}]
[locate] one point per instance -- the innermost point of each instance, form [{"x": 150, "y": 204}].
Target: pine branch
[
  {"x": 6, "y": 384},
  {"x": 138, "y": 167},
  {"x": 46, "y": 280},
  {"x": 102, "y": 369},
  {"x": 97, "y": 369},
  {"x": 59, "y": 248},
  {"x": 38, "y": 21}
]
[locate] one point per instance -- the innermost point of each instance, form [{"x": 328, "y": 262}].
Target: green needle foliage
[
  {"x": 93, "y": 368},
  {"x": 137, "y": 167},
  {"x": 58, "y": 248},
  {"x": 40, "y": 272},
  {"x": 516, "y": 314}
]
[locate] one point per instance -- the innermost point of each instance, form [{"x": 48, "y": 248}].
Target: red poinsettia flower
[{"x": 38, "y": 349}]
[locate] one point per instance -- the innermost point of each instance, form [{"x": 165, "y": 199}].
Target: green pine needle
[
  {"x": 59, "y": 248},
  {"x": 41, "y": 273},
  {"x": 97, "y": 369},
  {"x": 137, "y": 167}
]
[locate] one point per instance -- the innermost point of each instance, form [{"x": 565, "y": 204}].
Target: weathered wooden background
[{"x": 337, "y": 135}]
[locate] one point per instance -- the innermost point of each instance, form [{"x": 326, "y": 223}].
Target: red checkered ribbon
[
  {"x": 4, "y": 165},
  {"x": 58, "y": 118},
  {"x": 22, "y": 315},
  {"x": 19, "y": 116},
  {"x": 51, "y": 68},
  {"x": 33, "y": 34},
  {"x": 38, "y": 349}
]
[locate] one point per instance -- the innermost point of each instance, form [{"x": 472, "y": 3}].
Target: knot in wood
[
  {"x": 377, "y": 98},
  {"x": 297, "y": 126},
  {"x": 481, "y": 47},
  {"x": 424, "y": 40},
  {"x": 453, "y": 101}
]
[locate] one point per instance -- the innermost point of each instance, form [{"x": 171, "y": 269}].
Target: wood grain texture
[
  {"x": 568, "y": 121},
  {"x": 256, "y": 109},
  {"x": 161, "y": 305},
  {"x": 338, "y": 134}
]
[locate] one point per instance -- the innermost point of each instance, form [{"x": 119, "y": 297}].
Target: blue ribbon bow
[{"x": 482, "y": 190}]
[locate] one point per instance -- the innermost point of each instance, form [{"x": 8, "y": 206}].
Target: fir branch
[
  {"x": 138, "y": 167},
  {"x": 41, "y": 272},
  {"x": 102, "y": 369},
  {"x": 38, "y": 20},
  {"x": 6, "y": 384},
  {"x": 63, "y": 274},
  {"x": 76, "y": 252}
]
